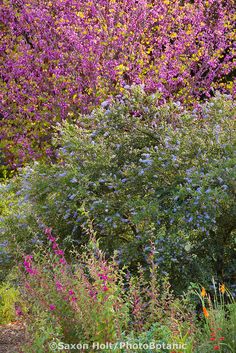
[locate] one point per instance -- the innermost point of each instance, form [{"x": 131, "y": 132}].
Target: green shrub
[
  {"x": 7, "y": 199},
  {"x": 143, "y": 172}
]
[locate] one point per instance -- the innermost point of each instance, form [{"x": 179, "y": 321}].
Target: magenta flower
[
  {"x": 92, "y": 294},
  {"x": 52, "y": 307},
  {"x": 62, "y": 261},
  {"x": 28, "y": 257},
  {"x": 105, "y": 288},
  {"x": 103, "y": 277},
  {"x": 59, "y": 286},
  {"x": 28, "y": 265},
  {"x": 18, "y": 310},
  {"x": 52, "y": 239},
  {"x": 32, "y": 271},
  {"x": 48, "y": 231},
  {"x": 54, "y": 246},
  {"x": 59, "y": 252}
]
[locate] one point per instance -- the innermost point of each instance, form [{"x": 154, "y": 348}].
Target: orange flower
[
  {"x": 222, "y": 288},
  {"x": 203, "y": 292},
  {"x": 205, "y": 312}
]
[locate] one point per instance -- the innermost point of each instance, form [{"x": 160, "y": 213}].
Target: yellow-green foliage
[{"x": 9, "y": 298}]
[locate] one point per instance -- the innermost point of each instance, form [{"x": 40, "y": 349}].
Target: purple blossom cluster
[{"x": 62, "y": 57}]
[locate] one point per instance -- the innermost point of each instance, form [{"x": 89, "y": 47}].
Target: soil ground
[{"x": 12, "y": 337}]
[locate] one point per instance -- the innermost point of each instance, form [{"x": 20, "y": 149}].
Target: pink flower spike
[
  {"x": 52, "y": 307},
  {"x": 71, "y": 292},
  {"x": 18, "y": 310},
  {"x": 105, "y": 289},
  {"x": 48, "y": 231},
  {"x": 54, "y": 246},
  {"x": 104, "y": 277},
  {"x": 52, "y": 239},
  {"x": 62, "y": 261},
  {"x": 59, "y": 286},
  {"x": 28, "y": 257},
  {"x": 59, "y": 252},
  {"x": 31, "y": 271},
  {"x": 92, "y": 294},
  {"x": 27, "y": 264}
]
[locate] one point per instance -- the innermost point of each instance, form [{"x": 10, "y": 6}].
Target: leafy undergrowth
[
  {"x": 91, "y": 302},
  {"x": 115, "y": 242}
]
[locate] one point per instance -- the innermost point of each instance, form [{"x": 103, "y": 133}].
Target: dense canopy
[{"x": 59, "y": 57}]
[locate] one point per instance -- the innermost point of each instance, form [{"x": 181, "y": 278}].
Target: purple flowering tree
[{"x": 64, "y": 56}]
